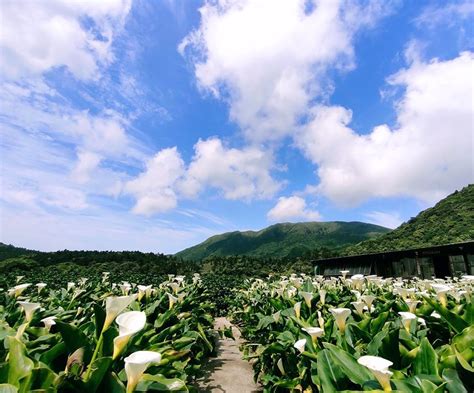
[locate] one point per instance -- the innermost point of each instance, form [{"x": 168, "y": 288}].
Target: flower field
[
  {"x": 360, "y": 333},
  {"x": 96, "y": 336},
  {"x": 303, "y": 333}
]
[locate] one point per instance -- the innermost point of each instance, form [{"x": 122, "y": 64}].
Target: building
[{"x": 427, "y": 262}]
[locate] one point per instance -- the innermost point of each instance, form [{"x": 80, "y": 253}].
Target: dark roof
[{"x": 441, "y": 247}]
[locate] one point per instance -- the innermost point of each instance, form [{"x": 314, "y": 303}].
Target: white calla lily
[
  {"x": 368, "y": 299},
  {"x": 17, "y": 290},
  {"x": 379, "y": 367},
  {"x": 280, "y": 366},
  {"x": 136, "y": 364},
  {"x": 129, "y": 324},
  {"x": 114, "y": 305},
  {"x": 172, "y": 300},
  {"x": 340, "y": 315},
  {"x": 29, "y": 309},
  {"x": 297, "y": 308},
  {"x": 322, "y": 296},
  {"x": 276, "y": 316},
  {"x": 49, "y": 322},
  {"x": 300, "y": 345},
  {"x": 359, "y": 306},
  {"x": 314, "y": 332},
  {"x": 307, "y": 296},
  {"x": 41, "y": 286},
  {"x": 407, "y": 318}
]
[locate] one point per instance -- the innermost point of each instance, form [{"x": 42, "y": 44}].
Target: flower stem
[{"x": 94, "y": 356}]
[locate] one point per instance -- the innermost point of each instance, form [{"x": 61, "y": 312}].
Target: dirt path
[{"x": 228, "y": 372}]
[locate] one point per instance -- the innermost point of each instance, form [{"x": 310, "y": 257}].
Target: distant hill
[
  {"x": 284, "y": 240},
  {"x": 451, "y": 220},
  {"x": 8, "y": 251}
]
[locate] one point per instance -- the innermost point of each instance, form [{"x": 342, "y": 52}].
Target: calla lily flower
[
  {"x": 174, "y": 286},
  {"x": 379, "y": 367},
  {"x": 276, "y": 316},
  {"x": 48, "y": 322},
  {"x": 114, "y": 305},
  {"x": 17, "y": 290},
  {"x": 412, "y": 304},
  {"x": 129, "y": 323},
  {"x": 407, "y": 318},
  {"x": 41, "y": 286},
  {"x": 143, "y": 290},
  {"x": 340, "y": 315},
  {"x": 357, "y": 281},
  {"x": 280, "y": 366},
  {"x": 320, "y": 320},
  {"x": 136, "y": 364},
  {"x": 29, "y": 309},
  {"x": 70, "y": 285},
  {"x": 322, "y": 296},
  {"x": 297, "y": 308},
  {"x": 125, "y": 288},
  {"x": 314, "y": 332},
  {"x": 441, "y": 292},
  {"x": 307, "y": 296},
  {"x": 300, "y": 345},
  {"x": 172, "y": 299},
  {"x": 344, "y": 273},
  {"x": 19, "y": 278},
  {"x": 368, "y": 299},
  {"x": 359, "y": 306}
]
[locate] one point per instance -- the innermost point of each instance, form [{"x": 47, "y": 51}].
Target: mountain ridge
[{"x": 284, "y": 239}]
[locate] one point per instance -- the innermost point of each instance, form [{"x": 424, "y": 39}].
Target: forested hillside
[
  {"x": 451, "y": 220},
  {"x": 308, "y": 239}
]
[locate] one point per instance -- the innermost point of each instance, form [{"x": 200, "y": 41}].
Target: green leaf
[
  {"x": 99, "y": 369},
  {"x": 454, "y": 384},
  {"x": 19, "y": 365},
  {"x": 159, "y": 383},
  {"x": 99, "y": 314},
  {"x": 328, "y": 375},
  {"x": 7, "y": 388},
  {"x": 426, "y": 360},
  {"x": 72, "y": 336},
  {"x": 455, "y": 321},
  {"x": 348, "y": 364}
]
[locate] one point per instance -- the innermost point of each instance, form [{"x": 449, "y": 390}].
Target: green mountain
[
  {"x": 284, "y": 240},
  {"x": 451, "y": 220}
]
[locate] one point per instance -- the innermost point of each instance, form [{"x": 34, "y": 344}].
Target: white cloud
[
  {"x": 426, "y": 156},
  {"x": 237, "y": 173},
  {"x": 154, "y": 188},
  {"x": 269, "y": 58},
  {"x": 447, "y": 14},
  {"x": 390, "y": 220},
  {"x": 292, "y": 209},
  {"x": 37, "y": 36}
]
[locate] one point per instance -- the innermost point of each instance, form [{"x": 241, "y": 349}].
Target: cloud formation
[
  {"x": 427, "y": 155},
  {"x": 74, "y": 34},
  {"x": 269, "y": 59},
  {"x": 292, "y": 209},
  {"x": 235, "y": 173}
]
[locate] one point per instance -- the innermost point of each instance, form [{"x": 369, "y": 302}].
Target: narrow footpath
[{"x": 228, "y": 372}]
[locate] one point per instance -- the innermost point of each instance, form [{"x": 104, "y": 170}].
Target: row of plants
[
  {"x": 360, "y": 333},
  {"x": 93, "y": 335}
]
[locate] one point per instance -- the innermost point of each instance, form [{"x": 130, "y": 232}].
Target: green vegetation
[
  {"x": 450, "y": 221},
  {"x": 310, "y": 334},
  {"x": 285, "y": 240}
]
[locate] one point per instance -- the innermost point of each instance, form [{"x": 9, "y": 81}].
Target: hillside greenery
[
  {"x": 287, "y": 240},
  {"x": 451, "y": 220}
]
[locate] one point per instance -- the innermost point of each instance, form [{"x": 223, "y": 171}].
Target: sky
[{"x": 152, "y": 125}]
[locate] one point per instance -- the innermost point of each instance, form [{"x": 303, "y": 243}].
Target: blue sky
[{"x": 152, "y": 125}]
